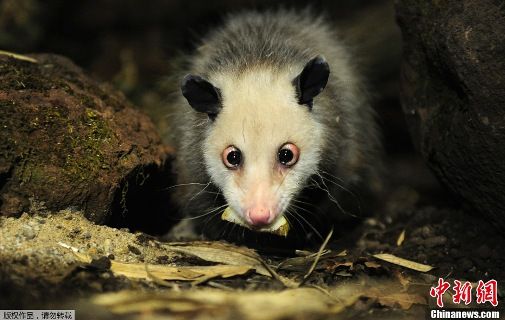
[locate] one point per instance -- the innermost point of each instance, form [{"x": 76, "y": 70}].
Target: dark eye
[
  {"x": 232, "y": 157},
  {"x": 288, "y": 154}
]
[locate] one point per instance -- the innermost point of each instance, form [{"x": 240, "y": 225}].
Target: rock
[
  {"x": 134, "y": 250},
  {"x": 426, "y": 232},
  {"x": 484, "y": 251},
  {"x": 453, "y": 95},
  {"x": 71, "y": 142},
  {"x": 465, "y": 263},
  {"x": 28, "y": 232},
  {"x": 435, "y": 241},
  {"x": 107, "y": 246}
]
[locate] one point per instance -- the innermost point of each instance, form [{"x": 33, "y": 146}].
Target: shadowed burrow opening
[
  {"x": 5, "y": 175},
  {"x": 142, "y": 202}
]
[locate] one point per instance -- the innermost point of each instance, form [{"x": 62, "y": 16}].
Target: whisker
[
  {"x": 206, "y": 213},
  {"x": 198, "y": 193},
  {"x": 185, "y": 185},
  {"x": 308, "y": 223},
  {"x": 304, "y": 202},
  {"x": 331, "y": 197},
  {"x": 337, "y": 184},
  {"x": 353, "y": 194},
  {"x": 311, "y": 213},
  {"x": 291, "y": 214}
]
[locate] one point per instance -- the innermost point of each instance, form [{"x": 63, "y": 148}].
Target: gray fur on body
[{"x": 280, "y": 39}]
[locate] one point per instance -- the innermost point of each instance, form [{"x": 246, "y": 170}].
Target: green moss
[
  {"x": 87, "y": 145},
  {"x": 34, "y": 173},
  {"x": 76, "y": 146},
  {"x": 80, "y": 144}
]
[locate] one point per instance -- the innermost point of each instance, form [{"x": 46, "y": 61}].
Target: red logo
[
  {"x": 438, "y": 291},
  {"x": 462, "y": 292},
  {"x": 485, "y": 292}
]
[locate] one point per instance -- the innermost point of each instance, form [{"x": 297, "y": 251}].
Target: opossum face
[{"x": 263, "y": 142}]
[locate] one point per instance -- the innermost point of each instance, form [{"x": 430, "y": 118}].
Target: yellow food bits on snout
[{"x": 280, "y": 226}]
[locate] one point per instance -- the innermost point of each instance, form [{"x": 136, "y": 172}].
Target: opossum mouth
[{"x": 279, "y": 227}]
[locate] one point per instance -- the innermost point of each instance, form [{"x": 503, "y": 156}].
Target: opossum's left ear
[
  {"x": 312, "y": 80},
  {"x": 201, "y": 95}
]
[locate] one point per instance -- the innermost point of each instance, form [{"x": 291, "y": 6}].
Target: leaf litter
[{"x": 200, "y": 279}]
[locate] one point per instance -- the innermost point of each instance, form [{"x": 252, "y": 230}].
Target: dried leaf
[
  {"x": 403, "y": 300},
  {"x": 217, "y": 304},
  {"x": 335, "y": 265},
  {"x": 401, "y": 238},
  {"x": 404, "y": 280},
  {"x": 220, "y": 252},
  {"x": 163, "y": 272},
  {"x": 186, "y": 273},
  {"x": 403, "y": 262},
  {"x": 372, "y": 264},
  {"x": 231, "y": 255}
]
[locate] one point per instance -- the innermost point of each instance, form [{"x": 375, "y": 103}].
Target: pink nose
[{"x": 259, "y": 216}]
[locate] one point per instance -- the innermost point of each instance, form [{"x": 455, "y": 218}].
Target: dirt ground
[{"x": 61, "y": 260}]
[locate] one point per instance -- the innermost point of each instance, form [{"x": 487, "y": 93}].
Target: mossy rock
[{"x": 70, "y": 142}]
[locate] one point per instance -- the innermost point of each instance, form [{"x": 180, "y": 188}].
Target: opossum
[{"x": 273, "y": 109}]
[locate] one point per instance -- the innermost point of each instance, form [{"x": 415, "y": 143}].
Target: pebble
[
  {"x": 102, "y": 263},
  {"x": 465, "y": 264},
  {"x": 416, "y": 240},
  {"x": 435, "y": 241},
  {"x": 28, "y": 232},
  {"x": 40, "y": 220},
  {"x": 23, "y": 260},
  {"x": 107, "y": 246},
  {"x": 455, "y": 253},
  {"x": 484, "y": 251},
  {"x": 422, "y": 257},
  {"x": 163, "y": 260},
  {"x": 134, "y": 250},
  {"x": 426, "y": 232}
]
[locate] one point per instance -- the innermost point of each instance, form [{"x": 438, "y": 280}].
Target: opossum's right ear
[{"x": 201, "y": 95}]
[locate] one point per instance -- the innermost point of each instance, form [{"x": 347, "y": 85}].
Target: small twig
[
  {"x": 316, "y": 260},
  {"x": 220, "y": 286},
  {"x": 66, "y": 246},
  {"x": 289, "y": 283}
]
